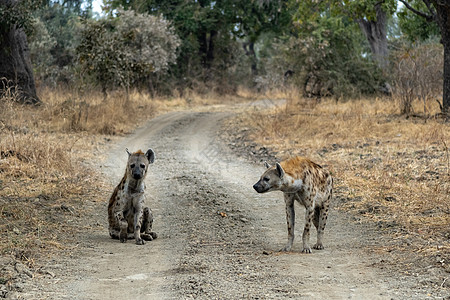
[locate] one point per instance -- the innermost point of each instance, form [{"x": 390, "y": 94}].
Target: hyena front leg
[
  {"x": 123, "y": 225},
  {"x": 290, "y": 218},
  {"x": 147, "y": 223},
  {"x": 138, "y": 216}
]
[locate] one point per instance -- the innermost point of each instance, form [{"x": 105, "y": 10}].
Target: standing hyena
[
  {"x": 127, "y": 216},
  {"x": 305, "y": 181}
]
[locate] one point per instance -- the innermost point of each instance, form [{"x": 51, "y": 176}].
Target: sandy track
[{"x": 218, "y": 239}]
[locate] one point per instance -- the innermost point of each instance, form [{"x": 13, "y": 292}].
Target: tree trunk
[
  {"x": 249, "y": 49},
  {"x": 210, "y": 53},
  {"x": 446, "y": 88},
  {"x": 206, "y": 50},
  {"x": 15, "y": 63},
  {"x": 376, "y": 34},
  {"x": 203, "y": 47},
  {"x": 443, "y": 20}
]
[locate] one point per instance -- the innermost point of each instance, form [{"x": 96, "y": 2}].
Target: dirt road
[{"x": 218, "y": 239}]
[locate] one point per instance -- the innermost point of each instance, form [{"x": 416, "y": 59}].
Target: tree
[
  {"x": 197, "y": 23},
  {"x": 126, "y": 49},
  {"x": 439, "y": 11},
  {"x": 15, "y": 64},
  {"x": 375, "y": 29},
  {"x": 217, "y": 37},
  {"x": 41, "y": 43},
  {"x": 326, "y": 55},
  {"x": 55, "y": 39},
  {"x": 257, "y": 18},
  {"x": 414, "y": 27},
  {"x": 371, "y": 16}
]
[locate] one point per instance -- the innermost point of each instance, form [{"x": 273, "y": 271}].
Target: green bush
[{"x": 125, "y": 50}]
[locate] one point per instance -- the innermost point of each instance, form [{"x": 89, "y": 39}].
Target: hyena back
[
  {"x": 304, "y": 181},
  {"x": 128, "y": 217}
]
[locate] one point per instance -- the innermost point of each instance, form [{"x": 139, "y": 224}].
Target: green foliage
[
  {"x": 126, "y": 49},
  {"x": 309, "y": 10},
  {"x": 41, "y": 43},
  {"x": 53, "y": 43},
  {"x": 54, "y": 38},
  {"x": 329, "y": 60},
  {"x": 18, "y": 13},
  {"x": 414, "y": 27},
  {"x": 212, "y": 34}
]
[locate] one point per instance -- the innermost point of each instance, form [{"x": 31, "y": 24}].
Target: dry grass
[{"x": 390, "y": 170}]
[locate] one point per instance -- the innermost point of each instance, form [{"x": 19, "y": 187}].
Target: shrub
[
  {"x": 418, "y": 75},
  {"x": 127, "y": 49},
  {"x": 328, "y": 59}
]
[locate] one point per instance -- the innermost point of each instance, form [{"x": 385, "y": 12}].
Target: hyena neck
[
  {"x": 135, "y": 185},
  {"x": 291, "y": 184}
]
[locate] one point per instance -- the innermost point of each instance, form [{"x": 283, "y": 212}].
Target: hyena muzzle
[
  {"x": 304, "y": 181},
  {"x": 128, "y": 217}
]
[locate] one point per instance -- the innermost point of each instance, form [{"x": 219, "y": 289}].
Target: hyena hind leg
[
  {"x": 320, "y": 220},
  {"x": 316, "y": 217},
  {"x": 147, "y": 224}
]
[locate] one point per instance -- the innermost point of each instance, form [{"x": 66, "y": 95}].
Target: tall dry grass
[{"x": 389, "y": 169}]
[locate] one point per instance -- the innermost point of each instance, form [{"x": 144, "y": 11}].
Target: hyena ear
[
  {"x": 129, "y": 154},
  {"x": 267, "y": 165},
  {"x": 150, "y": 155},
  {"x": 280, "y": 171}
]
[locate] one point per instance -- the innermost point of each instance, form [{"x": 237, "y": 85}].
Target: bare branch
[
  {"x": 429, "y": 18},
  {"x": 430, "y": 7}
]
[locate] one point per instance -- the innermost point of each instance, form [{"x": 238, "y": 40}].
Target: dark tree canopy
[{"x": 212, "y": 31}]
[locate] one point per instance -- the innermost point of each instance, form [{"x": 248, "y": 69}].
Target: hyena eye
[
  {"x": 132, "y": 166},
  {"x": 266, "y": 179},
  {"x": 142, "y": 166}
]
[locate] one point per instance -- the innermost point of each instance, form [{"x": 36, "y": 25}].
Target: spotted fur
[
  {"x": 128, "y": 217},
  {"x": 304, "y": 181}
]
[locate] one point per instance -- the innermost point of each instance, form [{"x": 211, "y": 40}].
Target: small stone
[{"x": 50, "y": 273}]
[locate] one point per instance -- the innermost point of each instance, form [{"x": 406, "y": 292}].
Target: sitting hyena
[
  {"x": 305, "y": 181},
  {"x": 127, "y": 216}
]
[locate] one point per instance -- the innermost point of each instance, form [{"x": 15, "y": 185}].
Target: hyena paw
[
  {"x": 318, "y": 246},
  {"x": 123, "y": 238},
  {"x": 306, "y": 250},
  {"x": 140, "y": 242},
  {"x": 147, "y": 236},
  {"x": 287, "y": 248}
]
